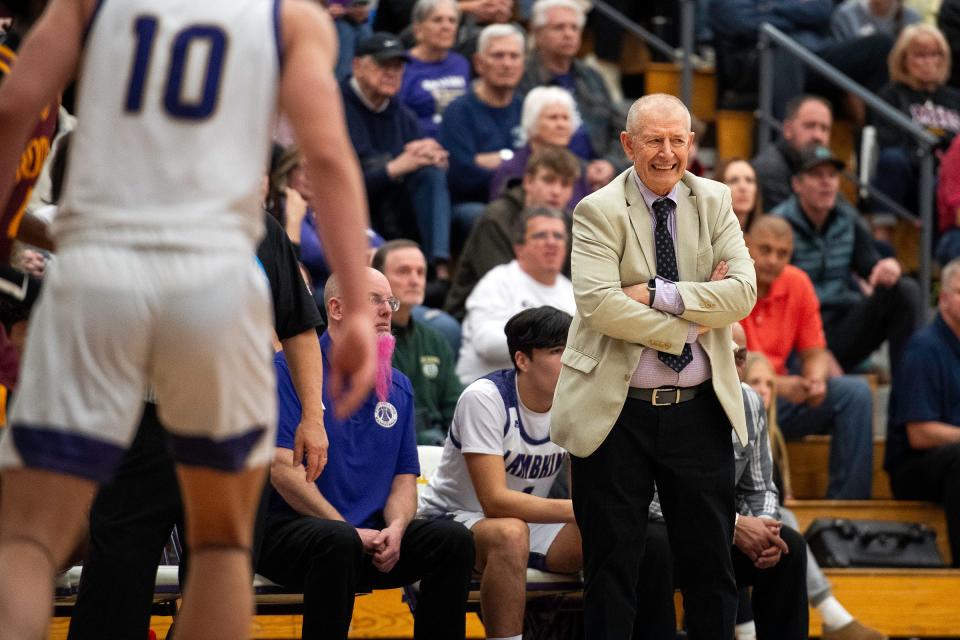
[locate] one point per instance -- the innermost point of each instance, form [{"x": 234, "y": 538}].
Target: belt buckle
[{"x": 655, "y": 400}]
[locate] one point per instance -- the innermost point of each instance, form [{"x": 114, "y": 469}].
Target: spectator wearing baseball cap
[
  {"x": 405, "y": 173},
  {"x": 864, "y": 299}
]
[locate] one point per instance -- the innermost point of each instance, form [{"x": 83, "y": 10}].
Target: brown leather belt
[{"x": 664, "y": 396}]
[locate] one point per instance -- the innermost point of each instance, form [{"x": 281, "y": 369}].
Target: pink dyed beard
[{"x": 385, "y": 345}]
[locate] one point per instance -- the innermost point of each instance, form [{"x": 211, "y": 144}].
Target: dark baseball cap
[
  {"x": 382, "y": 46},
  {"x": 816, "y": 155}
]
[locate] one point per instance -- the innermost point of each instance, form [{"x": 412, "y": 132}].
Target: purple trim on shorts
[
  {"x": 68, "y": 453},
  {"x": 537, "y": 561},
  {"x": 229, "y": 454}
]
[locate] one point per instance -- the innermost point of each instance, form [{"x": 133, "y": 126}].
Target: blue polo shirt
[
  {"x": 927, "y": 387},
  {"x": 367, "y": 450}
]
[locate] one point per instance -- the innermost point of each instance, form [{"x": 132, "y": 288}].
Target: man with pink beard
[{"x": 344, "y": 533}]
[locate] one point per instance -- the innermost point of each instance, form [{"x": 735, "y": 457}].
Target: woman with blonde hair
[
  {"x": 838, "y": 623},
  {"x": 919, "y": 66}
]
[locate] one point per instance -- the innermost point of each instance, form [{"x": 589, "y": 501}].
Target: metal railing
[
  {"x": 771, "y": 37},
  {"x": 683, "y": 55}
]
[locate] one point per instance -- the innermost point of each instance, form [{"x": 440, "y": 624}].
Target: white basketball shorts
[{"x": 110, "y": 322}]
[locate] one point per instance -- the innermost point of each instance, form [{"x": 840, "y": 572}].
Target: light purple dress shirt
[{"x": 651, "y": 372}]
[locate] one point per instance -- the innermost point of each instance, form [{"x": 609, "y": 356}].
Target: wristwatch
[
  {"x": 506, "y": 154},
  {"x": 652, "y": 288}
]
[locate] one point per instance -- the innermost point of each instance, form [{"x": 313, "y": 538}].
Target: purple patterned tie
[{"x": 667, "y": 268}]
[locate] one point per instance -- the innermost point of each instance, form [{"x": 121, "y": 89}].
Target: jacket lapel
[{"x": 640, "y": 220}]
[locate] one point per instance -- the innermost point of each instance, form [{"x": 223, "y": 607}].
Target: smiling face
[
  {"x": 659, "y": 147},
  {"x": 439, "y": 29}
]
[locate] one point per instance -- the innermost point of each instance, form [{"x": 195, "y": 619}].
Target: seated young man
[
  {"x": 354, "y": 528},
  {"x": 498, "y": 465}
]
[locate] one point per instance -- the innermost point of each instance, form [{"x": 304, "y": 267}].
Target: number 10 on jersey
[{"x": 175, "y": 103}]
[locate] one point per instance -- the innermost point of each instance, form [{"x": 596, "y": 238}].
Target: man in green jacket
[{"x": 421, "y": 353}]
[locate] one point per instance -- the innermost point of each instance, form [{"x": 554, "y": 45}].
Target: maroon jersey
[{"x": 31, "y": 162}]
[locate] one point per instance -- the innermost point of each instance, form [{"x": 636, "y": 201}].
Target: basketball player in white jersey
[
  {"x": 498, "y": 465},
  {"x": 156, "y": 281}
]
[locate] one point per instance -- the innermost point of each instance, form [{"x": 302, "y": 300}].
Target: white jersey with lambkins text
[
  {"x": 196, "y": 83},
  {"x": 491, "y": 419}
]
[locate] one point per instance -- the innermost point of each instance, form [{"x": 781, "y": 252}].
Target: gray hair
[
  {"x": 520, "y": 224},
  {"x": 541, "y": 97},
  {"x": 423, "y": 9},
  {"x": 495, "y": 31},
  {"x": 654, "y": 102},
  {"x": 538, "y": 14},
  {"x": 949, "y": 272}
]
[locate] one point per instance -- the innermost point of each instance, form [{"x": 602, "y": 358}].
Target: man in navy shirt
[
  {"x": 344, "y": 533},
  {"x": 404, "y": 172},
  {"x": 923, "y": 439},
  {"x": 481, "y": 128}
]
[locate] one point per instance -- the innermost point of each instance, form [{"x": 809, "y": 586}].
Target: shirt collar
[
  {"x": 369, "y": 105},
  {"x": 649, "y": 196}
]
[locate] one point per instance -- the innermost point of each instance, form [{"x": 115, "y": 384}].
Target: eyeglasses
[
  {"x": 392, "y": 302},
  {"x": 543, "y": 236},
  {"x": 740, "y": 355}
]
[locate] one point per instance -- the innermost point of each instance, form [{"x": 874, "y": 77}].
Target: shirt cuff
[
  {"x": 668, "y": 297},
  {"x": 693, "y": 333}
]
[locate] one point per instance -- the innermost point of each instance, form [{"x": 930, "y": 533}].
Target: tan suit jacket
[{"x": 613, "y": 248}]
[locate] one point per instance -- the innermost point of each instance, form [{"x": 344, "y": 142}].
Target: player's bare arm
[
  {"x": 499, "y": 501},
  {"x": 46, "y": 62},
  {"x": 311, "y": 99}
]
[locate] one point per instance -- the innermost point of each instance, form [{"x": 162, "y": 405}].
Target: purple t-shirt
[{"x": 428, "y": 87}]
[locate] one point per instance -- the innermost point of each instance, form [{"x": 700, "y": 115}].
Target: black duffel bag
[{"x": 839, "y": 543}]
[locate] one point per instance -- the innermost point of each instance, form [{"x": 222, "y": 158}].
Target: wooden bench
[{"x": 810, "y": 463}]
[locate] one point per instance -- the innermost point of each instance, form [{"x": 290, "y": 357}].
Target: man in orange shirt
[{"x": 818, "y": 398}]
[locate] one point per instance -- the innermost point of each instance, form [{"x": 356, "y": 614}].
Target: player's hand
[
  {"x": 310, "y": 447},
  {"x": 353, "y": 363},
  {"x": 32, "y": 262},
  {"x": 388, "y": 555},
  {"x": 368, "y": 538}
]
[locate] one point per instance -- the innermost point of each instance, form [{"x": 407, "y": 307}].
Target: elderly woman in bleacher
[
  {"x": 435, "y": 76},
  {"x": 549, "y": 118},
  {"x": 919, "y": 66}
]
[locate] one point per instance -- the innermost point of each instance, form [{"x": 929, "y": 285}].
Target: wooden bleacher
[{"x": 809, "y": 459}]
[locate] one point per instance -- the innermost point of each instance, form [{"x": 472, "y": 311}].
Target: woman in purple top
[
  {"x": 549, "y": 118},
  {"x": 434, "y": 75}
]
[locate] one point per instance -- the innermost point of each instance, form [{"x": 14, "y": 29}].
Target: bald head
[
  {"x": 739, "y": 335},
  {"x": 655, "y": 105},
  {"x": 772, "y": 225},
  {"x": 331, "y": 289}
]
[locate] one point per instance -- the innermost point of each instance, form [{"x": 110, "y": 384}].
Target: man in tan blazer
[{"x": 648, "y": 390}]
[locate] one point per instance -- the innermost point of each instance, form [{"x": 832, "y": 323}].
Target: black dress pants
[
  {"x": 325, "y": 559},
  {"x": 687, "y": 450},
  {"x": 855, "y": 331},
  {"x": 779, "y": 599},
  {"x": 130, "y": 522}
]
